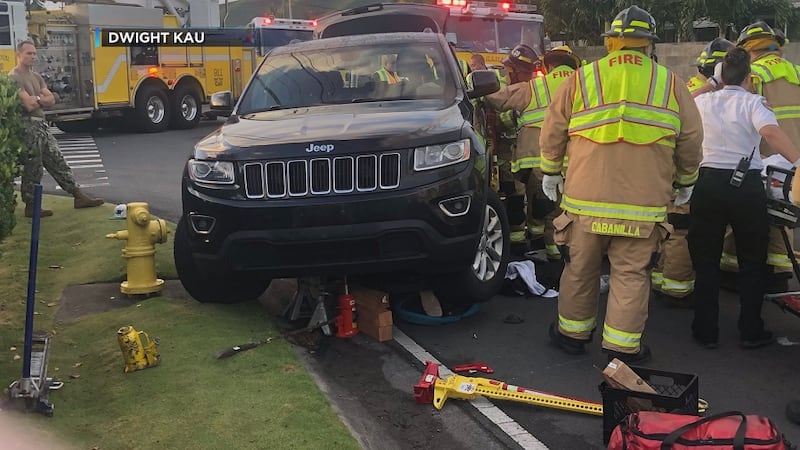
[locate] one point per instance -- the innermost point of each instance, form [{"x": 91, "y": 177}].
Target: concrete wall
[{"x": 678, "y": 57}]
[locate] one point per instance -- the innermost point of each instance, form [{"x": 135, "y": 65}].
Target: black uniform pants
[{"x": 715, "y": 204}]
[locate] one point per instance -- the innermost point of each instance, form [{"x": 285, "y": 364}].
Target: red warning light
[
  {"x": 314, "y": 23},
  {"x": 266, "y": 21},
  {"x": 506, "y": 6}
]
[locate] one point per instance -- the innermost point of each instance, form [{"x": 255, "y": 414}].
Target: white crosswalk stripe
[{"x": 82, "y": 155}]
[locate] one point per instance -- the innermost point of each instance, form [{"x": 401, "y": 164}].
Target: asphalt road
[{"x": 148, "y": 168}]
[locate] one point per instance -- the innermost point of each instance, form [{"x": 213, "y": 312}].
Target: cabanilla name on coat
[
  {"x": 314, "y": 148},
  {"x": 615, "y": 229}
]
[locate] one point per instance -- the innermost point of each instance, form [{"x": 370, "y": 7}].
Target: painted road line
[
  {"x": 81, "y": 154},
  {"x": 494, "y": 414}
]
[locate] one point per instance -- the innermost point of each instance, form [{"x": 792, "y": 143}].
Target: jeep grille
[{"x": 320, "y": 176}]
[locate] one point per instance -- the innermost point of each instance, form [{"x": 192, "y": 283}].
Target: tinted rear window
[{"x": 390, "y": 23}]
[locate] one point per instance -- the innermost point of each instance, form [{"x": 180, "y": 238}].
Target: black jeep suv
[{"x": 326, "y": 168}]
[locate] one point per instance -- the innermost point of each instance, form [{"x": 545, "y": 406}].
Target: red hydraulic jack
[
  {"x": 347, "y": 320},
  {"x": 432, "y": 389}
]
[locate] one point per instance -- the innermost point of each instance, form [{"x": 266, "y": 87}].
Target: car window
[{"x": 349, "y": 74}]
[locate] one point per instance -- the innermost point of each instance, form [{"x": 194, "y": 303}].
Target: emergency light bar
[
  {"x": 272, "y": 21},
  {"x": 489, "y": 7}
]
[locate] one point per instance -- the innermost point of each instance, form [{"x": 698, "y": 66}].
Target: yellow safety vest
[
  {"x": 625, "y": 97},
  {"x": 389, "y": 77},
  {"x": 773, "y": 67},
  {"x": 464, "y": 67},
  {"x": 542, "y": 89}
]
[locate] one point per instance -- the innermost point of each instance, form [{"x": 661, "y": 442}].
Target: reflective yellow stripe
[
  {"x": 729, "y": 260},
  {"x": 552, "y": 250},
  {"x": 576, "y": 326},
  {"x": 656, "y": 278},
  {"x": 530, "y": 162},
  {"x": 779, "y": 260},
  {"x": 679, "y": 287},
  {"x": 518, "y": 236},
  {"x": 621, "y": 338},
  {"x": 640, "y": 24},
  {"x": 550, "y": 167},
  {"x": 606, "y": 111},
  {"x": 536, "y": 230},
  {"x": 786, "y": 112},
  {"x": 610, "y": 210},
  {"x": 541, "y": 93},
  {"x": 687, "y": 180}
]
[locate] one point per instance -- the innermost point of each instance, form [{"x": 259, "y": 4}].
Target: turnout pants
[
  {"x": 541, "y": 212},
  {"x": 716, "y": 204},
  {"x": 513, "y": 190},
  {"x": 43, "y": 153},
  {"x": 674, "y": 274},
  {"x": 631, "y": 259}
]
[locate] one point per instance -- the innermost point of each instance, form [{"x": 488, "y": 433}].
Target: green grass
[{"x": 262, "y": 398}]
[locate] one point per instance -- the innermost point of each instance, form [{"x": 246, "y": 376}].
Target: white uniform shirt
[{"x": 732, "y": 118}]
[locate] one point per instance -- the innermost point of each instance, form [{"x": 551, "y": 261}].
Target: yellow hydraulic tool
[
  {"x": 142, "y": 234},
  {"x": 137, "y": 355},
  {"x": 432, "y": 389}
]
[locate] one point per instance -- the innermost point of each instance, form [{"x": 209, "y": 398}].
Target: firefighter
[
  {"x": 777, "y": 80},
  {"x": 673, "y": 277},
  {"x": 388, "y": 70},
  {"x": 559, "y": 64},
  {"x": 511, "y": 101},
  {"x": 631, "y": 136},
  {"x": 712, "y": 54}
]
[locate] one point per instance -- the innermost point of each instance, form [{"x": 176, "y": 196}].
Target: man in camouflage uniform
[{"x": 42, "y": 149}]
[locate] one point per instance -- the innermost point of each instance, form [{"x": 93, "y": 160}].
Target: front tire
[
  {"x": 216, "y": 287},
  {"x": 152, "y": 111},
  {"x": 482, "y": 279}
]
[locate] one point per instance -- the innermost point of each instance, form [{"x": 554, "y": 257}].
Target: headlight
[
  {"x": 435, "y": 156},
  {"x": 214, "y": 172}
]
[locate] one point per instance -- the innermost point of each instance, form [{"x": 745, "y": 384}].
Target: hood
[{"x": 328, "y": 129}]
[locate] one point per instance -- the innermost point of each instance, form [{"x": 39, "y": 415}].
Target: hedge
[{"x": 10, "y": 151}]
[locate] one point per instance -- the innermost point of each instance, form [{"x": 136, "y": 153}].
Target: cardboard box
[
  {"x": 374, "y": 315},
  {"x": 372, "y": 329},
  {"x": 620, "y": 376},
  {"x": 370, "y": 298}
]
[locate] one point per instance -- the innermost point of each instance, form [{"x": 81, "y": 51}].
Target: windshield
[
  {"x": 269, "y": 38},
  {"x": 489, "y": 35},
  {"x": 350, "y": 74}
]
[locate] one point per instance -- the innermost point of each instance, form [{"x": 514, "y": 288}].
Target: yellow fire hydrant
[{"x": 142, "y": 234}]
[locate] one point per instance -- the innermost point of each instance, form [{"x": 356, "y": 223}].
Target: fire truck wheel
[
  {"x": 186, "y": 108},
  {"x": 78, "y": 126},
  {"x": 215, "y": 287},
  {"x": 152, "y": 109},
  {"x": 482, "y": 279}
]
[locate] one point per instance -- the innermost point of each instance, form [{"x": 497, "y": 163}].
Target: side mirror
[
  {"x": 484, "y": 82},
  {"x": 222, "y": 100}
]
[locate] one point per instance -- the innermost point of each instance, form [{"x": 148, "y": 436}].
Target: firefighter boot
[
  {"x": 42, "y": 213},
  {"x": 569, "y": 345},
  {"x": 84, "y": 201},
  {"x": 643, "y": 355}
]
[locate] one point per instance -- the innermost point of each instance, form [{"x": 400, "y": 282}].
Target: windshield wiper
[{"x": 255, "y": 111}]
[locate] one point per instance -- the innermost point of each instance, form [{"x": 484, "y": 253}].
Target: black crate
[{"x": 676, "y": 393}]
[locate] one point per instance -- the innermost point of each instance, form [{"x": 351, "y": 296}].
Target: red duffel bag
[{"x": 649, "y": 430}]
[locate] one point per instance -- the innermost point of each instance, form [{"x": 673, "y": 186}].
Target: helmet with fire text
[
  {"x": 633, "y": 22},
  {"x": 522, "y": 58}
]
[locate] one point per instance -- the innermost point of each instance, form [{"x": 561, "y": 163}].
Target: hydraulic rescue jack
[
  {"x": 784, "y": 214},
  {"x": 34, "y": 387},
  {"x": 432, "y": 389}
]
